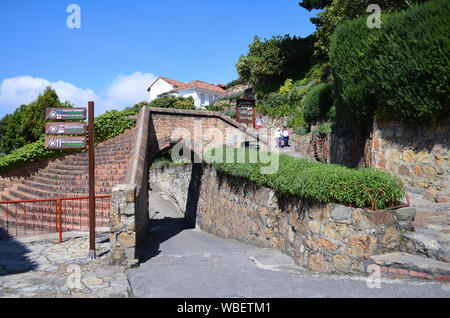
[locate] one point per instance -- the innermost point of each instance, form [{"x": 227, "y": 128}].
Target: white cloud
[{"x": 126, "y": 90}]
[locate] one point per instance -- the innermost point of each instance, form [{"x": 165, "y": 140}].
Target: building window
[{"x": 202, "y": 99}]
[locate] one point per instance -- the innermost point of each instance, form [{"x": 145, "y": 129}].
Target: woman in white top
[{"x": 278, "y": 137}]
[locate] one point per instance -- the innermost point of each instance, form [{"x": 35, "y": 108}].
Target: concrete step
[
  {"x": 436, "y": 247},
  {"x": 407, "y": 266}
]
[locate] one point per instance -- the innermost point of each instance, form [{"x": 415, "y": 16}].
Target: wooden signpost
[
  {"x": 246, "y": 111},
  {"x": 66, "y": 131}
]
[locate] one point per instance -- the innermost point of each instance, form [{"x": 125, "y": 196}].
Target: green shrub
[
  {"x": 303, "y": 131},
  {"x": 184, "y": 103},
  {"x": 276, "y": 105},
  {"x": 324, "y": 129},
  {"x": 215, "y": 107},
  {"x": 231, "y": 114},
  {"x": 111, "y": 124},
  {"x": 297, "y": 120},
  {"x": 172, "y": 102},
  {"x": 400, "y": 71},
  {"x": 318, "y": 102},
  {"x": 318, "y": 182}
]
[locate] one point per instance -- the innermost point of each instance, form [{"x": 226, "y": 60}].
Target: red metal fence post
[{"x": 60, "y": 222}]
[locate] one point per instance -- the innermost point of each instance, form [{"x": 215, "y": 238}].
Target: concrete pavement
[{"x": 180, "y": 263}]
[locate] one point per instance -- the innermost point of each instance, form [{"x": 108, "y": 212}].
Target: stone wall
[
  {"x": 173, "y": 180},
  {"x": 324, "y": 238},
  {"x": 418, "y": 155},
  {"x": 129, "y": 200}
]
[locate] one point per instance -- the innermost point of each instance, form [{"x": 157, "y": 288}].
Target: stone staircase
[
  {"x": 426, "y": 252},
  {"x": 68, "y": 177}
]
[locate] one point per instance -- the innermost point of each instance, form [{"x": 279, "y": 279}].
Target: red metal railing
[{"x": 31, "y": 217}]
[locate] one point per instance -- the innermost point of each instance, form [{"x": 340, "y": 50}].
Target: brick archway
[{"x": 156, "y": 130}]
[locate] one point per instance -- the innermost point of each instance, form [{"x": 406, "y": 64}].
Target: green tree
[
  {"x": 337, "y": 11},
  {"x": 33, "y": 118},
  {"x": 315, "y": 4},
  {"x": 273, "y": 60},
  {"x": 11, "y": 138},
  {"x": 399, "y": 72}
]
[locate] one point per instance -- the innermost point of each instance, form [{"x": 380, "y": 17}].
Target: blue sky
[{"x": 123, "y": 45}]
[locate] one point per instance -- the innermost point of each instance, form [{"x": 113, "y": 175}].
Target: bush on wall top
[{"x": 317, "y": 182}]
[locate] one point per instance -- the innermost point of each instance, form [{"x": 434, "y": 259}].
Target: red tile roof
[
  {"x": 199, "y": 84},
  {"x": 195, "y": 84},
  {"x": 176, "y": 84}
]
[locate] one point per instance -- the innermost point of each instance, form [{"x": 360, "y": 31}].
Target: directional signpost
[
  {"x": 65, "y": 114},
  {"x": 63, "y": 143},
  {"x": 65, "y": 130},
  {"x": 246, "y": 111},
  {"x": 78, "y": 129}
]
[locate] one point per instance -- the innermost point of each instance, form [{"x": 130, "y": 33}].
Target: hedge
[
  {"x": 108, "y": 125},
  {"x": 318, "y": 182},
  {"x": 399, "y": 72},
  {"x": 318, "y": 102}
]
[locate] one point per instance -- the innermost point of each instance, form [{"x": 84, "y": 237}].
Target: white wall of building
[
  {"x": 202, "y": 97},
  {"x": 160, "y": 87}
]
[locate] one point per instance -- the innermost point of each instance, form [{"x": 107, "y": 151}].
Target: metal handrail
[{"x": 57, "y": 211}]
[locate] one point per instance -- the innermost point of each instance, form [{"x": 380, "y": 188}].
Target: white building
[{"x": 202, "y": 93}]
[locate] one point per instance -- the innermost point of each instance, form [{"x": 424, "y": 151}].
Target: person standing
[
  {"x": 286, "y": 134},
  {"x": 259, "y": 123},
  {"x": 278, "y": 137}
]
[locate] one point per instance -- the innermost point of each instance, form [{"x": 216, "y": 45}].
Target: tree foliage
[
  {"x": 400, "y": 71},
  {"x": 318, "y": 102},
  {"x": 27, "y": 123},
  {"x": 33, "y": 118},
  {"x": 315, "y": 4},
  {"x": 275, "y": 59},
  {"x": 169, "y": 101},
  {"x": 10, "y": 131},
  {"x": 337, "y": 11}
]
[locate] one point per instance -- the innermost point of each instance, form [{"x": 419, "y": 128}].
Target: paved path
[
  {"x": 192, "y": 263},
  {"x": 41, "y": 267}
]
